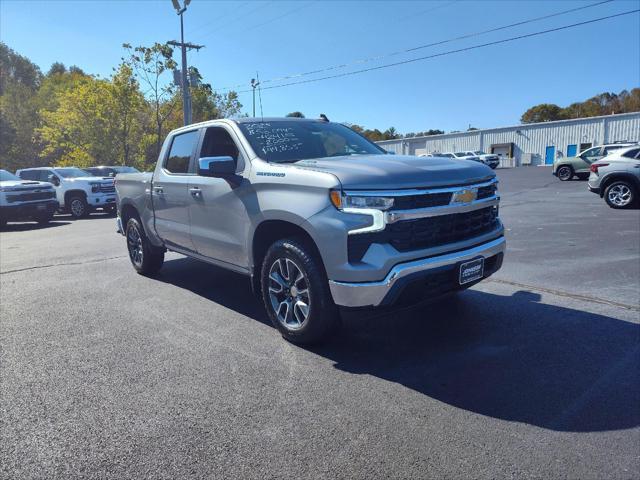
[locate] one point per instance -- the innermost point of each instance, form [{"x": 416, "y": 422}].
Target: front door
[
  {"x": 170, "y": 194},
  {"x": 218, "y": 207},
  {"x": 549, "y": 155}
]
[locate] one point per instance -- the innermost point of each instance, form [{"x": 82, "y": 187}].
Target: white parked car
[
  {"x": 461, "y": 156},
  {"x": 23, "y": 200},
  {"x": 77, "y": 192},
  {"x": 490, "y": 159}
]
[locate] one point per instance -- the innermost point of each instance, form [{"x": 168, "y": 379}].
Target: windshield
[
  {"x": 6, "y": 176},
  {"x": 290, "y": 141},
  {"x": 110, "y": 171},
  {"x": 71, "y": 172},
  {"x": 479, "y": 152}
]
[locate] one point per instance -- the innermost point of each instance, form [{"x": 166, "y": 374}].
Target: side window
[
  {"x": 633, "y": 153},
  {"x": 218, "y": 143},
  {"x": 608, "y": 150},
  {"x": 180, "y": 153},
  {"x": 43, "y": 175}
]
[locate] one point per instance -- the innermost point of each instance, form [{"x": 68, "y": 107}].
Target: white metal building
[{"x": 528, "y": 144}]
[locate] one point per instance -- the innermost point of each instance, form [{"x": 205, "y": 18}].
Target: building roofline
[{"x": 519, "y": 126}]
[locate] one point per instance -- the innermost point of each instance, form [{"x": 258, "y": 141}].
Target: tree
[
  {"x": 16, "y": 69},
  {"x": 57, "y": 68},
  {"x": 545, "y": 112},
  {"x": 126, "y": 111},
  {"x": 296, "y": 114},
  {"x": 150, "y": 64}
]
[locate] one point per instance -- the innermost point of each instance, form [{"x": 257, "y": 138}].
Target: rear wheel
[
  {"x": 296, "y": 295},
  {"x": 565, "y": 173},
  {"x": 78, "y": 206},
  {"x": 620, "y": 194},
  {"x": 145, "y": 257}
]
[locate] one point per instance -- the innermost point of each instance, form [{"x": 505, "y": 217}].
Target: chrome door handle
[
  {"x": 158, "y": 190},
  {"x": 196, "y": 192}
]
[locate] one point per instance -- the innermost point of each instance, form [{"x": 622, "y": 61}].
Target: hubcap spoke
[{"x": 289, "y": 293}]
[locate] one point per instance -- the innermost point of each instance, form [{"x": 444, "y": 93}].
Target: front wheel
[
  {"x": 78, "y": 206},
  {"x": 620, "y": 194},
  {"x": 146, "y": 258},
  {"x": 565, "y": 173},
  {"x": 296, "y": 295}
]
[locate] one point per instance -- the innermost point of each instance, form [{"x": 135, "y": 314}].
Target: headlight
[
  {"x": 342, "y": 202},
  {"x": 363, "y": 205},
  {"x": 95, "y": 187}
]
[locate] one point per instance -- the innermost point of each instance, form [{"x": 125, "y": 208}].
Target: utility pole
[
  {"x": 186, "y": 94},
  {"x": 254, "y": 85}
]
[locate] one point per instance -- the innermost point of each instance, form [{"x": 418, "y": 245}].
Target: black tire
[
  {"x": 78, "y": 206},
  {"x": 44, "y": 218},
  {"x": 322, "y": 318},
  {"x": 621, "y": 194},
  {"x": 146, "y": 258},
  {"x": 564, "y": 173}
]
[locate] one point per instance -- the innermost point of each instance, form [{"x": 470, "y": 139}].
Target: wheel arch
[
  {"x": 613, "y": 177},
  {"x": 72, "y": 193},
  {"x": 269, "y": 231}
]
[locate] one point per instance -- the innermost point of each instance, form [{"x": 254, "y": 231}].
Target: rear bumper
[
  {"x": 594, "y": 189},
  {"x": 28, "y": 210},
  {"x": 438, "y": 270}
]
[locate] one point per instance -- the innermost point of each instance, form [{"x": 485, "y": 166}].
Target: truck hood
[
  {"x": 24, "y": 184},
  {"x": 106, "y": 180},
  {"x": 389, "y": 172}
]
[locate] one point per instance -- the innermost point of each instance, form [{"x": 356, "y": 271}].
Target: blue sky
[{"x": 486, "y": 88}]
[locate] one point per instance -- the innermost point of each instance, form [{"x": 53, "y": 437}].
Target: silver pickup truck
[{"x": 316, "y": 215}]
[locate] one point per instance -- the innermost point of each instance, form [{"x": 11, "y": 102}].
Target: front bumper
[
  {"x": 387, "y": 291},
  {"x": 28, "y": 210},
  {"x": 101, "y": 200}
]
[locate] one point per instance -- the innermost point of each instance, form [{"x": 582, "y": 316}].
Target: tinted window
[
  {"x": 290, "y": 141},
  {"x": 180, "y": 153},
  {"x": 218, "y": 143},
  {"x": 30, "y": 175},
  {"x": 71, "y": 172},
  {"x": 632, "y": 153}
]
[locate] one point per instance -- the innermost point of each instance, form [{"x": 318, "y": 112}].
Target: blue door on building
[
  {"x": 549, "y": 155},
  {"x": 572, "y": 150}
]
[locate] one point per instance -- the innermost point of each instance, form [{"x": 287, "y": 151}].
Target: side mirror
[
  {"x": 220, "y": 167},
  {"x": 53, "y": 179}
]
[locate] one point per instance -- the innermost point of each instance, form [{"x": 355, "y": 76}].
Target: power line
[
  {"x": 450, "y": 52},
  {"x": 230, "y": 22},
  {"x": 420, "y": 47},
  {"x": 217, "y": 20}
]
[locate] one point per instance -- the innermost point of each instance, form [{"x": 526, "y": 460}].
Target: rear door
[
  {"x": 218, "y": 206},
  {"x": 171, "y": 198}
]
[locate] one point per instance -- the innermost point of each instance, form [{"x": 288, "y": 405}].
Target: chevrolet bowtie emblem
[{"x": 464, "y": 196}]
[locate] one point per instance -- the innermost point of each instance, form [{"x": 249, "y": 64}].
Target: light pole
[
  {"x": 254, "y": 85},
  {"x": 186, "y": 94}
]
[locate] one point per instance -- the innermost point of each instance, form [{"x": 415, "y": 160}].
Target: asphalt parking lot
[{"x": 534, "y": 373}]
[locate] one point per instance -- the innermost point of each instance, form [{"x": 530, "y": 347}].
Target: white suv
[{"x": 77, "y": 191}]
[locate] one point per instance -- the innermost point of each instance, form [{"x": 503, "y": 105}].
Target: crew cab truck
[
  {"x": 315, "y": 215},
  {"x": 77, "y": 191},
  {"x": 24, "y": 200}
]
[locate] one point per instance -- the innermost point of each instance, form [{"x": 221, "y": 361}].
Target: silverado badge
[{"x": 464, "y": 196}]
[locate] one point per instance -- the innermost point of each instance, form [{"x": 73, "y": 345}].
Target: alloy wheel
[
  {"x": 564, "y": 173},
  {"x": 289, "y": 293},
  {"x": 620, "y": 195},
  {"x": 77, "y": 207},
  {"x": 134, "y": 245}
]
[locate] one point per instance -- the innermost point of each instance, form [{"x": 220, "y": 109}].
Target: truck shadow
[
  {"x": 507, "y": 357},
  {"x": 27, "y": 226}
]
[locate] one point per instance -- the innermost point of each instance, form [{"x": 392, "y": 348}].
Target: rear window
[
  {"x": 633, "y": 153},
  {"x": 180, "y": 153}
]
